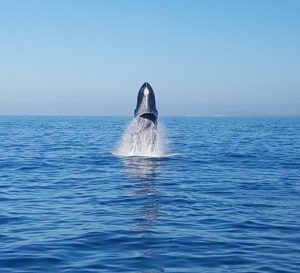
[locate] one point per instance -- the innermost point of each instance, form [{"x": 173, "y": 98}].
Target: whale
[
  {"x": 146, "y": 105},
  {"x": 143, "y": 136}
]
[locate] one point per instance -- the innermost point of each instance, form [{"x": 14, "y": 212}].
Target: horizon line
[{"x": 168, "y": 115}]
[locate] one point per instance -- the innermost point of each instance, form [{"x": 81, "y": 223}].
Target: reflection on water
[
  {"x": 143, "y": 174},
  {"x": 143, "y": 188},
  {"x": 142, "y": 167}
]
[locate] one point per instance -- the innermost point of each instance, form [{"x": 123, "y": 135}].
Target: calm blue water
[{"x": 229, "y": 201}]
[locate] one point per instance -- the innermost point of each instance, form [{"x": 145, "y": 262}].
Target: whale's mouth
[{"x": 149, "y": 116}]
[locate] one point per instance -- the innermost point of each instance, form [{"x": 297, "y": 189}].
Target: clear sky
[{"x": 201, "y": 57}]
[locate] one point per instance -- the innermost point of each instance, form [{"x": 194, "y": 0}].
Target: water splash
[{"x": 143, "y": 138}]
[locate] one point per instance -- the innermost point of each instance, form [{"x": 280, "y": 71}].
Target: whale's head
[{"x": 146, "y": 107}]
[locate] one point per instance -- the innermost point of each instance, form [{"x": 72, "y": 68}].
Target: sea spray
[{"x": 143, "y": 138}]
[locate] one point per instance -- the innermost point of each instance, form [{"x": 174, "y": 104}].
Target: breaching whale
[
  {"x": 143, "y": 135},
  {"x": 146, "y": 106}
]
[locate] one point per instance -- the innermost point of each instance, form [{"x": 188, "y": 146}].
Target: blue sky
[{"x": 201, "y": 57}]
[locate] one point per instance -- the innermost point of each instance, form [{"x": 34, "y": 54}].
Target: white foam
[{"x": 143, "y": 138}]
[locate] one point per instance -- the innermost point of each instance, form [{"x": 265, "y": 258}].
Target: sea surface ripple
[{"x": 227, "y": 201}]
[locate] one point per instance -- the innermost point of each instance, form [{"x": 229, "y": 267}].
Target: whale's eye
[{"x": 146, "y": 92}]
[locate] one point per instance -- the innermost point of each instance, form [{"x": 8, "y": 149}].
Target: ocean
[{"x": 224, "y": 198}]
